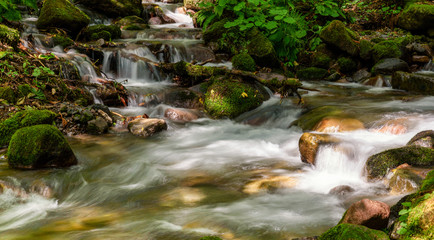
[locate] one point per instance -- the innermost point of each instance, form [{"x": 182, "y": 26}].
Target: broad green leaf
[
  {"x": 300, "y": 33},
  {"x": 289, "y": 20},
  {"x": 406, "y": 204},
  {"x": 271, "y": 25}
]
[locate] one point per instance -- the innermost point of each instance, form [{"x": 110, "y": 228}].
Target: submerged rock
[
  {"x": 62, "y": 14},
  {"x": 347, "y": 231},
  {"x": 332, "y": 124},
  {"x": 146, "y": 127},
  {"x": 39, "y": 146},
  {"x": 181, "y": 115},
  {"x": 414, "y": 82},
  {"x": 310, "y": 119},
  {"x": 338, "y": 35},
  {"x": 372, "y": 214},
  {"x": 341, "y": 190},
  {"x": 309, "y": 144},
  {"x": 269, "y": 183}
]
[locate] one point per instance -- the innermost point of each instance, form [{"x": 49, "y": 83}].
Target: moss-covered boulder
[
  {"x": 230, "y": 97},
  {"x": 365, "y": 49},
  {"x": 62, "y": 14},
  {"x": 389, "y": 65},
  {"x": 215, "y": 31},
  {"x": 106, "y": 32},
  {"x": 63, "y": 41},
  {"x": 417, "y": 17},
  {"x": 261, "y": 49},
  {"x": 353, "y": 232},
  {"x": 379, "y": 164},
  {"x": 39, "y": 146},
  {"x": 312, "y": 73},
  {"x": 132, "y": 23},
  {"x": 9, "y": 36},
  {"x": 413, "y": 82},
  {"x": 115, "y": 8},
  {"x": 321, "y": 60},
  {"x": 386, "y": 49},
  {"x": 337, "y": 35},
  {"x": 23, "y": 119},
  {"x": 190, "y": 74},
  {"x": 7, "y": 94},
  {"x": 244, "y": 62},
  {"x": 347, "y": 65}
]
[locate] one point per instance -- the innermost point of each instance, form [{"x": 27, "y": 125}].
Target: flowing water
[{"x": 204, "y": 177}]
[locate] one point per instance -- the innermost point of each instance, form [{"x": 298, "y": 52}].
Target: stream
[{"x": 204, "y": 177}]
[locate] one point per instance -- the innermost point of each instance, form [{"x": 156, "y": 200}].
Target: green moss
[
  {"x": 321, "y": 60},
  {"x": 9, "y": 36},
  {"x": 6, "y": 93},
  {"x": 378, "y": 164},
  {"x": 107, "y": 32},
  {"x": 135, "y": 27},
  {"x": 215, "y": 31},
  {"x": 24, "y": 90},
  {"x": 386, "y": 49},
  {"x": 23, "y": 119},
  {"x": 353, "y": 232},
  {"x": 365, "y": 49},
  {"x": 228, "y": 98},
  {"x": 194, "y": 74},
  {"x": 244, "y": 62},
  {"x": 63, "y": 41},
  {"x": 312, "y": 73},
  {"x": 62, "y": 14},
  {"x": 261, "y": 49},
  {"x": 308, "y": 120},
  {"x": 336, "y": 34},
  {"x": 417, "y": 17},
  {"x": 130, "y": 20},
  {"x": 39, "y": 146},
  {"x": 347, "y": 65},
  {"x": 115, "y": 8},
  {"x": 428, "y": 182},
  {"x": 210, "y": 238}
]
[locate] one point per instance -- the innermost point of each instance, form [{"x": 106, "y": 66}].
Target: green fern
[{"x": 8, "y": 9}]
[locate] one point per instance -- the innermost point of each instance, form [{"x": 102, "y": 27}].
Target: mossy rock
[
  {"x": 413, "y": 82},
  {"x": 379, "y": 164},
  {"x": 417, "y": 17},
  {"x": 261, "y": 49},
  {"x": 39, "y": 146},
  {"x": 347, "y": 231},
  {"x": 243, "y": 62},
  {"x": 24, "y": 90},
  {"x": 312, "y": 73},
  {"x": 132, "y": 23},
  {"x": 7, "y": 93},
  {"x": 366, "y": 49},
  {"x": 62, "y": 14},
  {"x": 115, "y": 9},
  {"x": 23, "y": 119},
  {"x": 106, "y": 32},
  {"x": 63, "y": 41},
  {"x": 9, "y": 36},
  {"x": 428, "y": 182},
  {"x": 347, "y": 65},
  {"x": 215, "y": 31},
  {"x": 308, "y": 120},
  {"x": 386, "y": 49},
  {"x": 321, "y": 60},
  {"x": 191, "y": 74},
  {"x": 228, "y": 98},
  {"x": 337, "y": 35},
  {"x": 135, "y": 27}
]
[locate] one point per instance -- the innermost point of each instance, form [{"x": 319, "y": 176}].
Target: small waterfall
[
  {"x": 429, "y": 66},
  {"x": 177, "y": 13}
]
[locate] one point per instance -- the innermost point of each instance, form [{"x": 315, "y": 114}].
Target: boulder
[
  {"x": 23, "y": 119},
  {"x": 62, "y": 14},
  {"x": 365, "y": 49},
  {"x": 115, "y": 9},
  {"x": 9, "y": 36},
  {"x": 369, "y": 213},
  {"x": 379, "y": 164},
  {"x": 333, "y": 124},
  {"x": 309, "y": 144},
  {"x": 182, "y": 98},
  {"x": 309, "y": 119},
  {"x": 229, "y": 98},
  {"x": 312, "y": 73},
  {"x": 112, "y": 94},
  {"x": 417, "y": 17},
  {"x": 390, "y": 65},
  {"x": 337, "y": 35},
  {"x": 243, "y": 61},
  {"x": 132, "y": 23},
  {"x": 413, "y": 82},
  {"x": 403, "y": 181},
  {"x": 106, "y": 32},
  {"x": 181, "y": 115},
  {"x": 146, "y": 127},
  {"x": 39, "y": 146},
  {"x": 261, "y": 49},
  {"x": 423, "y": 139},
  {"x": 386, "y": 49},
  {"x": 361, "y": 75},
  {"x": 347, "y": 65},
  {"x": 201, "y": 54},
  {"x": 347, "y": 231},
  {"x": 97, "y": 126}
]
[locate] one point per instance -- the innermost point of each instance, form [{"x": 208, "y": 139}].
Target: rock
[
  {"x": 312, "y": 73},
  {"x": 332, "y": 124},
  {"x": 309, "y": 119},
  {"x": 115, "y": 9},
  {"x": 309, "y": 144},
  {"x": 182, "y": 195},
  {"x": 379, "y": 164},
  {"x": 215, "y": 31},
  {"x": 194, "y": 4},
  {"x": 132, "y": 23},
  {"x": 201, "y": 54},
  {"x": 365, "y": 49},
  {"x": 386, "y": 49},
  {"x": 23, "y": 119},
  {"x": 420, "y": 59},
  {"x": 155, "y": 21},
  {"x": 395, "y": 126},
  {"x": 7, "y": 93},
  {"x": 338, "y": 35},
  {"x": 229, "y": 98},
  {"x": 423, "y": 139},
  {"x": 9, "y": 36},
  {"x": 181, "y": 115},
  {"x": 419, "y": 49},
  {"x": 97, "y": 126},
  {"x": 390, "y": 65},
  {"x": 361, "y": 75},
  {"x": 414, "y": 82},
  {"x": 182, "y": 98},
  {"x": 347, "y": 65},
  {"x": 243, "y": 61},
  {"x": 18, "y": 191},
  {"x": 269, "y": 183},
  {"x": 39, "y": 146},
  {"x": 62, "y": 14},
  {"x": 106, "y": 32},
  {"x": 321, "y": 60},
  {"x": 403, "y": 181},
  {"x": 39, "y": 187},
  {"x": 146, "y": 127},
  {"x": 112, "y": 94},
  {"x": 377, "y": 81},
  {"x": 334, "y": 77},
  {"x": 417, "y": 17},
  {"x": 372, "y": 214},
  {"x": 351, "y": 232},
  {"x": 261, "y": 49},
  {"x": 341, "y": 190}
]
